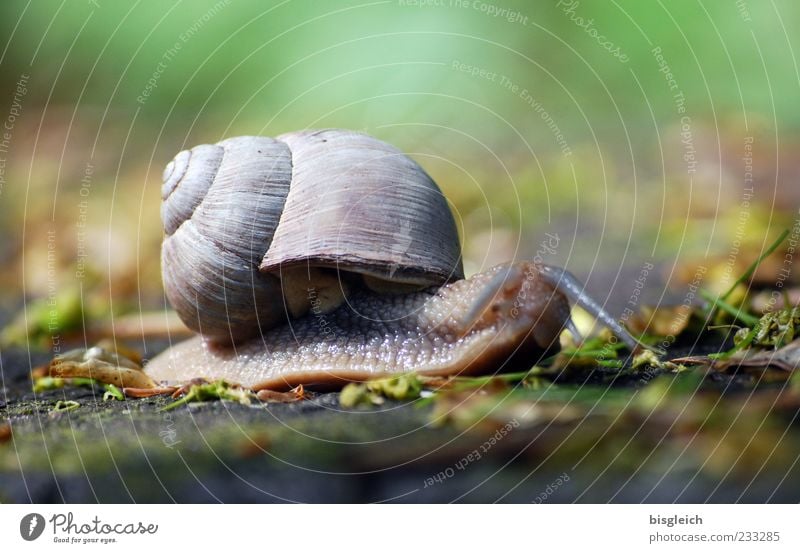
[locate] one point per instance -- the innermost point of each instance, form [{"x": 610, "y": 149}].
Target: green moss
[
  {"x": 213, "y": 391},
  {"x": 45, "y": 317},
  {"x": 374, "y": 392}
]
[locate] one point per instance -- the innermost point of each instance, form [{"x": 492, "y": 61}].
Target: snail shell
[{"x": 258, "y": 227}]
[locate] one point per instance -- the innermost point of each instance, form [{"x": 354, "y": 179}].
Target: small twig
[{"x": 744, "y": 344}]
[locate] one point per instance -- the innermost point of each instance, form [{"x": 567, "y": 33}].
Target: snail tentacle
[
  {"x": 573, "y": 330},
  {"x": 566, "y": 283}
]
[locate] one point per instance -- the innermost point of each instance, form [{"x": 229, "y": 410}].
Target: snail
[{"x": 324, "y": 257}]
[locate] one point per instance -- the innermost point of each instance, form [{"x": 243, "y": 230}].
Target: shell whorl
[
  {"x": 221, "y": 204},
  {"x": 244, "y": 216}
]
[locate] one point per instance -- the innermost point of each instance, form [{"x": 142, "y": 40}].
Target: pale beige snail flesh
[{"x": 319, "y": 258}]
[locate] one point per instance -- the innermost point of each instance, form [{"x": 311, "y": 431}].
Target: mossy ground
[{"x": 658, "y": 439}]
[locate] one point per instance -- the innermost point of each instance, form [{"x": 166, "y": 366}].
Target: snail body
[{"x": 342, "y": 265}]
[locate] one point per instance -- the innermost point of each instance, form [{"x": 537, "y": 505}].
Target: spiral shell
[{"x": 258, "y": 229}]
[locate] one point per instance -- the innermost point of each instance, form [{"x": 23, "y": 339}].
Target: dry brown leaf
[
  {"x": 102, "y": 371},
  {"x": 295, "y": 394},
  {"x": 40, "y": 372},
  {"x": 786, "y": 358},
  {"x": 5, "y": 432},
  {"x": 119, "y": 348}
]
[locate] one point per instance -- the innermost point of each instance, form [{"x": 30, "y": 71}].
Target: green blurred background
[{"x": 519, "y": 110}]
